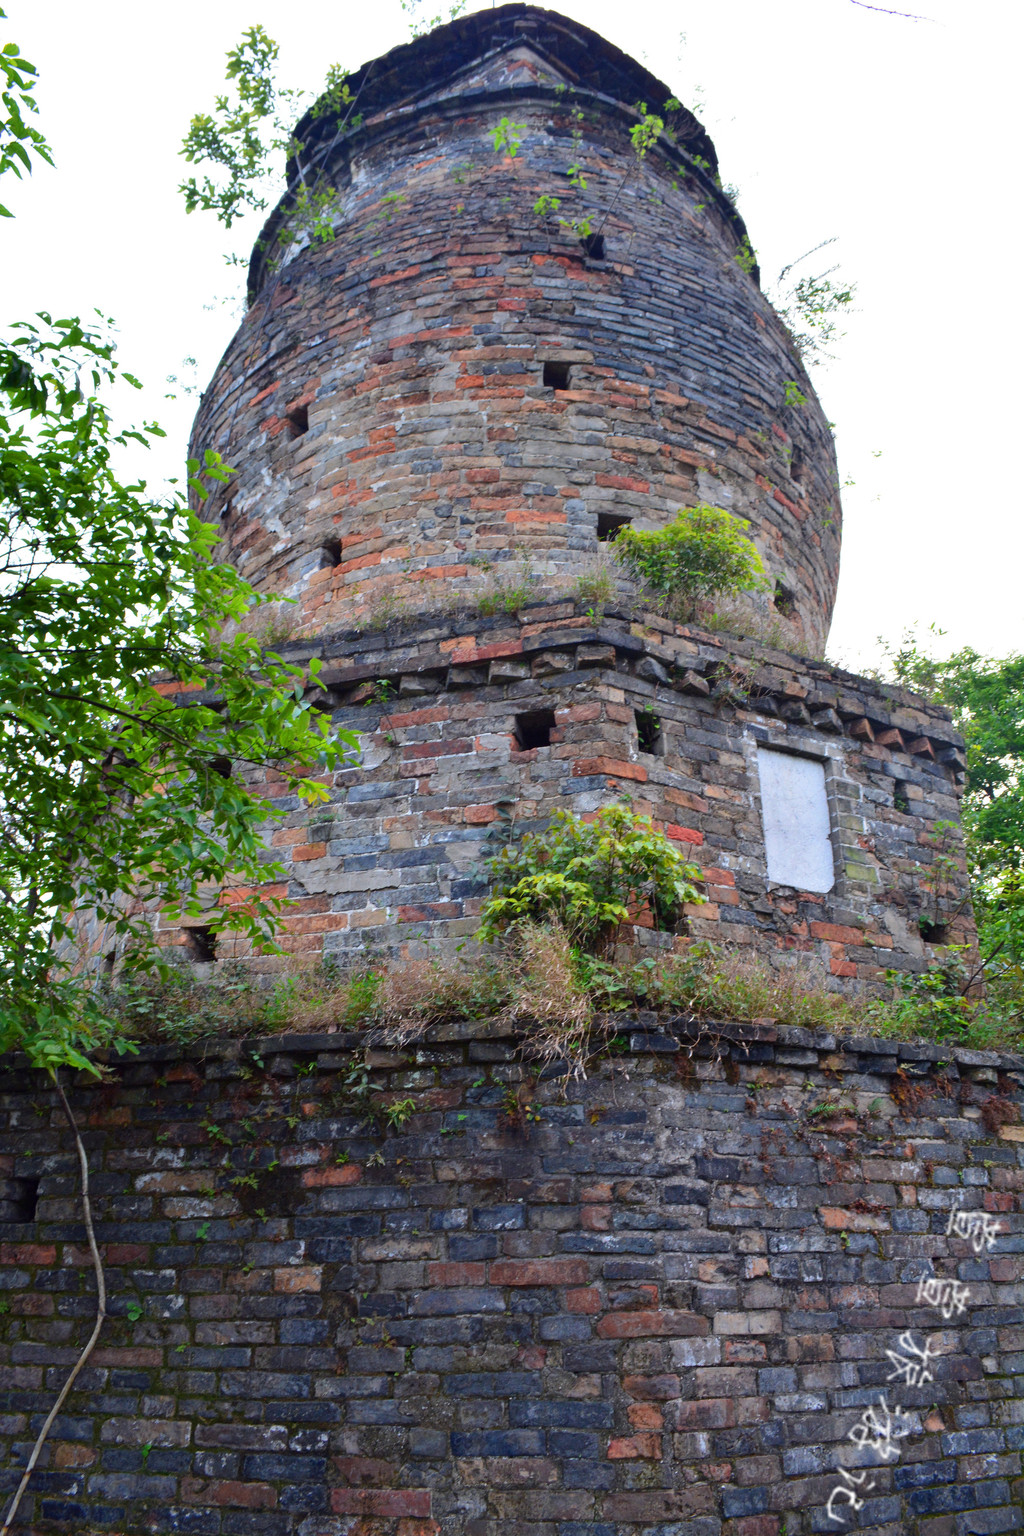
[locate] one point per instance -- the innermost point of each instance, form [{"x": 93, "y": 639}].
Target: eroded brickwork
[
  {"x": 385, "y": 404},
  {"x": 656, "y": 1301},
  {"x": 444, "y": 412},
  {"x": 394, "y": 862}
]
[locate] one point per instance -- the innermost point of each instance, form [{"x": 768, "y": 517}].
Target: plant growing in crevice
[
  {"x": 810, "y": 308},
  {"x": 703, "y": 553},
  {"x": 589, "y": 877}
]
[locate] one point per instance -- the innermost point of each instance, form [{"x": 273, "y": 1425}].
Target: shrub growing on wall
[
  {"x": 702, "y": 554},
  {"x": 589, "y": 876}
]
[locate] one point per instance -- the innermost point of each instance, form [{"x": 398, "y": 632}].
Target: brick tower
[{"x": 441, "y": 416}]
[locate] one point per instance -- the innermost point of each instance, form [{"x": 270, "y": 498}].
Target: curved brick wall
[
  {"x": 415, "y": 342},
  {"x": 658, "y": 1308}
]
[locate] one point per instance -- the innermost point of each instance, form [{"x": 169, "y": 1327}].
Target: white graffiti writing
[
  {"x": 978, "y": 1227},
  {"x": 912, "y": 1364},
  {"x": 947, "y": 1296}
]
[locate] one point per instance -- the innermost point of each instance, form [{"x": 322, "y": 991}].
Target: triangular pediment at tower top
[{"x": 516, "y": 64}]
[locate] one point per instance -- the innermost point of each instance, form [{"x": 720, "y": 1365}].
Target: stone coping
[{"x": 645, "y": 1033}]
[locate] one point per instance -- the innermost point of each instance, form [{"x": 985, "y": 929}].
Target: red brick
[
  {"x": 596, "y": 1218},
  {"x": 44, "y": 1254},
  {"x": 585, "y": 767},
  {"x": 640, "y": 1325},
  {"x": 538, "y": 1272},
  {"x": 309, "y": 851},
  {"x": 683, "y": 834},
  {"x": 622, "y": 483},
  {"x": 444, "y": 1273},
  {"x": 836, "y": 933},
  {"x": 233, "y": 1494},
  {"x": 587, "y": 1300},
  {"x": 479, "y": 815},
  {"x": 645, "y": 1416},
  {"x": 320, "y": 1178},
  {"x": 387, "y": 1503},
  {"x": 655, "y": 1388}
]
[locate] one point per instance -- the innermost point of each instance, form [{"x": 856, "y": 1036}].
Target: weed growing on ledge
[
  {"x": 558, "y": 995},
  {"x": 702, "y": 554}
]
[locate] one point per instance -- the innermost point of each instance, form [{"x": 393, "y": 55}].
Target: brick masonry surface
[
  {"x": 384, "y": 401},
  {"x": 651, "y": 1303},
  {"x": 405, "y": 460},
  {"x": 394, "y": 861}
]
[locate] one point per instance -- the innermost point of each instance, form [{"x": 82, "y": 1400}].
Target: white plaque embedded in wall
[{"x": 794, "y": 809}]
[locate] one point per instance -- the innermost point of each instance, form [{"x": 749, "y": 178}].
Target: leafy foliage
[
  {"x": 589, "y": 877},
  {"x": 702, "y": 553},
  {"x": 986, "y": 699},
  {"x": 20, "y": 140},
  {"x": 811, "y": 308},
  {"x": 116, "y": 799},
  {"x": 248, "y": 130}
]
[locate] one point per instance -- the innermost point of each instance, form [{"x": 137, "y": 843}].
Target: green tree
[
  {"x": 986, "y": 699},
  {"x": 985, "y": 696},
  {"x": 132, "y": 732},
  {"x": 703, "y": 553},
  {"x": 114, "y": 799}
]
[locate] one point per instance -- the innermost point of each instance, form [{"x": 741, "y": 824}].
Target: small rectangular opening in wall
[
  {"x": 785, "y": 600},
  {"x": 934, "y": 933},
  {"x": 900, "y": 798},
  {"x": 298, "y": 420},
  {"x": 330, "y": 554},
  {"x": 794, "y": 812},
  {"x": 18, "y": 1200},
  {"x": 649, "y": 736},
  {"x": 610, "y": 524},
  {"x": 556, "y": 375},
  {"x": 221, "y": 765},
  {"x": 200, "y": 944},
  {"x": 593, "y": 246},
  {"x": 796, "y": 465},
  {"x": 534, "y": 728}
]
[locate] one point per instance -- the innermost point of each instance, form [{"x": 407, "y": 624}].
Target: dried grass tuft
[{"x": 548, "y": 997}]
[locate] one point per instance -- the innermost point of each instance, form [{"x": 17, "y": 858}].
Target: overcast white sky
[{"x": 900, "y": 137}]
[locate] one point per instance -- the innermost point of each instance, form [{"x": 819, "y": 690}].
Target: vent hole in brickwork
[
  {"x": 330, "y": 554},
  {"x": 18, "y": 1200},
  {"x": 221, "y": 765},
  {"x": 785, "y": 600},
  {"x": 797, "y": 465},
  {"x": 298, "y": 420},
  {"x": 593, "y": 246},
  {"x": 900, "y": 798},
  {"x": 649, "y": 734},
  {"x": 556, "y": 375},
  {"x": 534, "y": 729},
  {"x": 610, "y": 524},
  {"x": 934, "y": 933},
  {"x": 200, "y": 944}
]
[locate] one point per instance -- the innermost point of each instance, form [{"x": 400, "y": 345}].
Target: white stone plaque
[{"x": 794, "y": 809}]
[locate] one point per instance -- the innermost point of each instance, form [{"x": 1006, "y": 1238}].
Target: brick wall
[
  {"x": 384, "y": 401},
  {"x": 654, "y": 1301},
  {"x": 394, "y": 860}
]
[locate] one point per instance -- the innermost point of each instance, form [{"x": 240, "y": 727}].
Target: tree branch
[
  {"x": 884, "y": 9},
  {"x": 101, "y": 1313}
]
